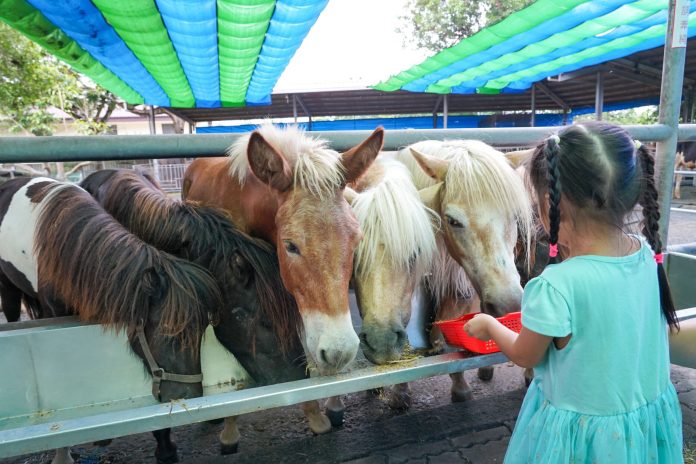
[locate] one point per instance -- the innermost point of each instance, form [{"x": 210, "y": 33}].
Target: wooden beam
[{"x": 553, "y": 96}]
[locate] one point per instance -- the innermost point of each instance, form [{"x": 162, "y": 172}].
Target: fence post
[{"x": 670, "y": 103}]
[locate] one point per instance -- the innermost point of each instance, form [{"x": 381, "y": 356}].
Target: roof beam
[
  {"x": 302, "y": 105},
  {"x": 592, "y": 70},
  {"x": 636, "y": 77},
  {"x": 647, "y": 69},
  {"x": 553, "y": 96}
]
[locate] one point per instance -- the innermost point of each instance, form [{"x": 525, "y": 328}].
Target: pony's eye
[
  {"x": 291, "y": 247},
  {"x": 453, "y": 222}
]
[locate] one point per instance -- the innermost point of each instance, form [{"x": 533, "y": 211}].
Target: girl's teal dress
[{"x": 606, "y": 397}]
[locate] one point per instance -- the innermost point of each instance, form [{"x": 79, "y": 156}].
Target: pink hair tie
[
  {"x": 553, "y": 250},
  {"x": 659, "y": 258}
]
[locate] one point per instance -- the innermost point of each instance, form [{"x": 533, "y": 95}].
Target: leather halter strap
[{"x": 159, "y": 374}]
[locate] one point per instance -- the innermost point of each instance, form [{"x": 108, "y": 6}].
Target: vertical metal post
[
  {"x": 153, "y": 131},
  {"x": 294, "y": 107},
  {"x": 670, "y": 101},
  {"x": 532, "y": 119},
  {"x": 599, "y": 96},
  {"x": 445, "y": 111},
  {"x": 151, "y": 120},
  {"x": 565, "y": 117}
]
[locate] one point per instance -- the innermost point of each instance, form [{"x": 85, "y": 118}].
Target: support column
[
  {"x": 670, "y": 101},
  {"x": 435, "y": 110},
  {"x": 445, "y": 111},
  {"x": 294, "y": 107},
  {"x": 599, "y": 96},
  {"x": 532, "y": 119},
  {"x": 153, "y": 131}
]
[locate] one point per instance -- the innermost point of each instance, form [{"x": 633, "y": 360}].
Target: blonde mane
[
  {"x": 315, "y": 167},
  {"x": 477, "y": 174},
  {"x": 394, "y": 222}
]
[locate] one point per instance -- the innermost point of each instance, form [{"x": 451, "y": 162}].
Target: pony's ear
[
  {"x": 433, "y": 167},
  {"x": 350, "y": 195},
  {"x": 356, "y": 160},
  {"x": 428, "y": 196},
  {"x": 242, "y": 272},
  {"x": 517, "y": 158},
  {"x": 268, "y": 164}
]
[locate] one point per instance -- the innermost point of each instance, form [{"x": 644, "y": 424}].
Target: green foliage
[
  {"x": 438, "y": 24},
  {"x": 643, "y": 115},
  {"x": 31, "y": 80}
]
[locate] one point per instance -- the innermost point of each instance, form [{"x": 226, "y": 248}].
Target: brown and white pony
[
  {"x": 259, "y": 320},
  {"x": 58, "y": 246},
  {"x": 483, "y": 205},
  {"x": 287, "y": 188}
]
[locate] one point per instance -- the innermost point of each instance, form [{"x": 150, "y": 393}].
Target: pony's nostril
[
  {"x": 401, "y": 337},
  {"x": 364, "y": 342},
  {"x": 323, "y": 357}
]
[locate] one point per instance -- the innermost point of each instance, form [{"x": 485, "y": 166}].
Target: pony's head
[
  {"x": 483, "y": 204},
  {"x": 258, "y": 322},
  {"x": 93, "y": 265},
  {"x": 395, "y": 251},
  {"x": 314, "y": 229}
]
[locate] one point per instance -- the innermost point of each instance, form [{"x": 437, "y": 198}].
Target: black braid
[
  {"x": 552, "y": 150},
  {"x": 651, "y": 229}
]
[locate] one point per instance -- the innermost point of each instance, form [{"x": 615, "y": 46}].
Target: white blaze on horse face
[
  {"x": 485, "y": 244},
  {"x": 330, "y": 340},
  {"x": 16, "y": 235}
]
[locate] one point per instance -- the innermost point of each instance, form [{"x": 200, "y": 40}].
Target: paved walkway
[{"x": 475, "y": 432}]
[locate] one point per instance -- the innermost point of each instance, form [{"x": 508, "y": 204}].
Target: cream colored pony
[
  {"x": 483, "y": 205},
  {"x": 397, "y": 248}
]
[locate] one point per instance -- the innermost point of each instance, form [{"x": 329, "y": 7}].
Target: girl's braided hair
[{"x": 601, "y": 170}]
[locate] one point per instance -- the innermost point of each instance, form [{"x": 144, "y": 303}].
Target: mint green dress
[{"x": 606, "y": 397}]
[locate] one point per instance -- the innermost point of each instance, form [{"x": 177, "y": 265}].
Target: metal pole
[
  {"x": 153, "y": 131},
  {"x": 565, "y": 117},
  {"x": 599, "y": 96},
  {"x": 670, "y": 101},
  {"x": 532, "y": 120},
  {"x": 294, "y": 108},
  {"x": 445, "y": 111}
]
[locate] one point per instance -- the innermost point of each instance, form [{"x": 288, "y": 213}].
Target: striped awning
[
  {"x": 545, "y": 39},
  {"x": 174, "y": 53}
]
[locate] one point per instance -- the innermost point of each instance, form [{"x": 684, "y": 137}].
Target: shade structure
[
  {"x": 174, "y": 53},
  {"x": 545, "y": 39}
]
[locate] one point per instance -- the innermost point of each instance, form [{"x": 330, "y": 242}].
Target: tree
[
  {"x": 438, "y": 24},
  {"x": 32, "y": 80},
  {"x": 29, "y": 80}
]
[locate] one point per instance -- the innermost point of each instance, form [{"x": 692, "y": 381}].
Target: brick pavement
[{"x": 476, "y": 432}]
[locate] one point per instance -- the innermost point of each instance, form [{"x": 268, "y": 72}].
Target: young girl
[{"x": 594, "y": 327}]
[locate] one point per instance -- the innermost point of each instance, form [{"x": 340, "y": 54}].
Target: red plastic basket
[{"x": 454, "y": 333}]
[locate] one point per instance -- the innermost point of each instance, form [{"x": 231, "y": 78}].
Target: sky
[{"x": 352, "y": 45}]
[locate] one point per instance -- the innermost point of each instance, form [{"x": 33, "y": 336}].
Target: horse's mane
[
  {"x": 315, "y": 167},
  {"x": 392, "y": 216},
  {"x": 109, "y": 276},
  {"x": 478, "y": 174},
  {"x": 208, "y": 237}
]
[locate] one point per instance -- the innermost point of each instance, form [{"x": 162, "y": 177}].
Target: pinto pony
[
  {"x": 259, "y": 322},
  {"x": 74, "y": 258},
  {"x": 287, "y": 188}
]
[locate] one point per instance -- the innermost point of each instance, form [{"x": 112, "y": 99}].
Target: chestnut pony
[{"x": 285, "y": 187}]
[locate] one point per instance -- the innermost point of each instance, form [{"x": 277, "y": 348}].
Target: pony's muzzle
[{"x": 382, "y": 344}]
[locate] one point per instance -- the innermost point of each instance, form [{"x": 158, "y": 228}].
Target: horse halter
[{"x": 159, "y": 374}]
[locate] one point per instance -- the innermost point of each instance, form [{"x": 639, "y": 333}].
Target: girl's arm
[{"x": 525, "y": 349}]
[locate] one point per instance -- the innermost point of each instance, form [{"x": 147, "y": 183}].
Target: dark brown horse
[
  {"x": 259, "y": 323},
  {"x": 76, "y": 259},
  {"x": 287, "y": 188}
]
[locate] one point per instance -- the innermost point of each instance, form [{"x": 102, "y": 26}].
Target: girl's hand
[{"x": 478, "y": 326}]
